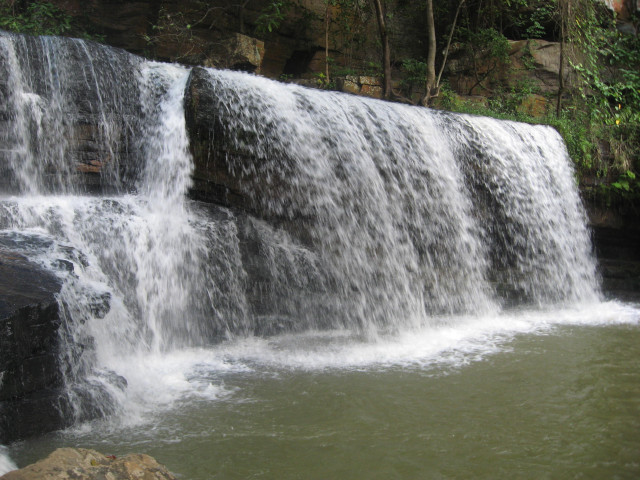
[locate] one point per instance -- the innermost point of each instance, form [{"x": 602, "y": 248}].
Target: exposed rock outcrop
[
  {"x": 83, "y": 464},
  {"x": 80, "y": 114},
  {"x": 30, "y": 378},
  {"x": 238, "y": 52}
]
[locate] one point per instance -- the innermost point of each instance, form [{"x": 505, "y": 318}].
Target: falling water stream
[{"x": 426, "y": 280}]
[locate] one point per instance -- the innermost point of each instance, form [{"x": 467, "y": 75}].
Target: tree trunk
[
  {"x": 241, "y": 8},
  {"x": 446, "y": 50},
  {"x": 430, "y": 83},
  {"x": 386, "y": 52},
  {"x": 327, "y": 18},
  {"x": 564, "y": 19}
]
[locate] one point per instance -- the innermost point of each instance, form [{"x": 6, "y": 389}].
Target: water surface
[{"x": 559, "y": 401}]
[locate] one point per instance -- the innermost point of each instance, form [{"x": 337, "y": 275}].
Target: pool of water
[{"x": 556, "y": 395}]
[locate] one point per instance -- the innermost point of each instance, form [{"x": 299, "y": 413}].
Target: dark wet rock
[
  {"x": 213, "y": 180},
  {"x": 616, "y": 240},
  {"x": 618, "y": 253},
  {"x": 30, "y": 378}
]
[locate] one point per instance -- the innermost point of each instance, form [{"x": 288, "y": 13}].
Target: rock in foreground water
[{"x": 83, "y": 464}]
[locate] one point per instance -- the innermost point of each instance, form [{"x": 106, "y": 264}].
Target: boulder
[
  {"x": 30, "y": 378},
  {"x": 83, "y": 464}
]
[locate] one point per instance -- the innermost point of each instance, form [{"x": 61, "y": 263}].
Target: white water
[
  {"x": 414, "y": 213},
  {"x": 406, "y": 233},
  {"x": 6, "y": 464}
]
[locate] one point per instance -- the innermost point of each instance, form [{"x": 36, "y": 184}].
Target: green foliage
[
  {"x": 41, "y": 18},
  {"x": 415, "y": 72},
  {"x": 626, "y": 182},
  {"x": 608, "y": 67},
  {"x": 542, "y": 15},
  {"x": 271, "y": 17},
  {"x": 323, "y": 82},
  {"x": 581, "y": 141},
  {"x": 625, "y": 190},
  {"x": 494, "y": 42},
  {"x": 38, "y": 18},
  {"x": 488, "y": 47}
]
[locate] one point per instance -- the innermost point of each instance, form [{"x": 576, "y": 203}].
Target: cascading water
[
  {"x": 143, "y": 271},
  {"x": 365, "y": 216},
  {"x": 413, "y": 213}
]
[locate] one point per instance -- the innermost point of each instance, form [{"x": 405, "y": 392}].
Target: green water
[{"x": 563, "y": 403}]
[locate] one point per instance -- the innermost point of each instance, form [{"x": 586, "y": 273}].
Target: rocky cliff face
[{"x": 212, "y": 179}]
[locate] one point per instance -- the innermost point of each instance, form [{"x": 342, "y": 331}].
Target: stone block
[
  {"x": 350, "y": 87},
  {"x": 371, "y": 91}
]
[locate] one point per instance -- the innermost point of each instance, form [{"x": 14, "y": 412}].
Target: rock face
[
  {"x": 238, "y": 52},
  {"x": 30, "y": 378},
  {"x": 212, "y": 179},
  {"x": 533, "y": 64},
  {"x": 83, "y": 464},
  {"x": 217, "y": 33},
  {"x": 79, "y": 113},
  {"x": 616, "y": 239}
]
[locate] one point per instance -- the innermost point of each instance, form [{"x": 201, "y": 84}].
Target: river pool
[{"x": 527, "y": 395}]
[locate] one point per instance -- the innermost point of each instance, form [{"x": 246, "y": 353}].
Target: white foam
[
  {"x": 157, "y": 383},
  {"x": 456, "y": 342},
  {"x": 6, "y": 464}
]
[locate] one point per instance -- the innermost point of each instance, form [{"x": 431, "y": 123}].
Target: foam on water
[
  {"x": 160, "y": 382},
  {"x": 456, "y": 342}
]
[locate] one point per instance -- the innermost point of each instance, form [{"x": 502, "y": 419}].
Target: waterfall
[
  {"x": 361, "y": 215},
  {"x": 413, "y": 213}
]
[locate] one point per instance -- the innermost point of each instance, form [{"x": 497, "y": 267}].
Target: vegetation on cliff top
[{"x": 41, "y": 18}]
